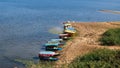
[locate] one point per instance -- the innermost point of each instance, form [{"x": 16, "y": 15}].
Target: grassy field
[
  {"x": 111, "y": 37},
  {"x": 101, "y": 58}
]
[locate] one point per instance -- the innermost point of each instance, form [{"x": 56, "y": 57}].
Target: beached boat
[
  {"x": 59, "y": 40},
  {"x": 70, "y": 30},
  {"x": 56, "y": 42},
  {"x": 52, "y": 48},
  {"x": 48, "y": 58},
  {"x": 65, "y": 36},
  {"x": 51, "y": 44},
  {"x": 47, "y": 54},
  {"x": 66, "y": 25}
]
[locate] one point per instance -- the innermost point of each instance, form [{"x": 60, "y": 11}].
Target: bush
[
  {"x": 102, "y": 58},
  {"x": 111, "y": 37}
]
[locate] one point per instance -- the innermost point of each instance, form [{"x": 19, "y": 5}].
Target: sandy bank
[{"x": 86, "y": 41}]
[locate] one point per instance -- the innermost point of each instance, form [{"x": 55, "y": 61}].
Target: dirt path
[{"x": 86, "y": 41}]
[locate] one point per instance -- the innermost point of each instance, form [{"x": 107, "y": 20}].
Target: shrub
[
  {"x": 102, "y": 58},
  {"x": 111, "y": 37}
]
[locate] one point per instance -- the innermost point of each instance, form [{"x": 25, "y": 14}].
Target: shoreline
[{"x": 86, "y": 41}]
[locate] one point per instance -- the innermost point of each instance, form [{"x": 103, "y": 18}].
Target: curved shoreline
[{"x": 86, "y": 41}]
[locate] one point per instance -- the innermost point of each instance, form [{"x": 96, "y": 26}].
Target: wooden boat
[
  {"x": 66, "y": 25},
  {"x": 52, "y": 48},
  {"x": 70, "y": 30},
  {"x": 51, "y": 44},
  {"x": 47, "y": 54},
  {"x": 48, "y": 58},
  {"x": 64, "y": 36},
  {"x": 56, "y": 42},
  {"x": 59, "y": 40}
]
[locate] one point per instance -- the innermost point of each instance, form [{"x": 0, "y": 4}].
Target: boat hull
[{"x": 48, "y": 58}]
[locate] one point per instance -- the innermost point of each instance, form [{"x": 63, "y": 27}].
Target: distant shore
[{"x": 111, "y": 11}]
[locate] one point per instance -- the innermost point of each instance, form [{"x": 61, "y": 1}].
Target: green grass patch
[
  {"x": 27, "y": 63},
  {"x": 111, "y": 37},
  {"x": 102, "y": 58},
  {"x": 31, "y": 64}
]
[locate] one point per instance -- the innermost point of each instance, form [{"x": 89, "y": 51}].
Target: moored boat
[
  {"x": 70, "y": 30},
  {"x": 49, "y": 58},
  {"x": 53, "y": 48},
  {"x": 51, "y": 42},
  {"x": 66, "y": 25},
  {"x": 65, "y": 36},
  {"x": 59, "y": 40},
  {"x": 48, "y": 54},
  {"x": 55, "y": 44}
]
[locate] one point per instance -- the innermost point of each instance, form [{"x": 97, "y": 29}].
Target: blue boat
[
  {"x": 59, "y": 40},
  {"x": 52, "y": 44},
  {"x": 70, "y": 30}
]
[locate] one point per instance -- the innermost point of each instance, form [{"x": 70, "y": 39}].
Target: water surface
[{"x": 25, "y": 24}]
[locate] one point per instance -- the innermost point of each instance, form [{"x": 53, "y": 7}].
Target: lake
[{"x": 25, "y": 24}]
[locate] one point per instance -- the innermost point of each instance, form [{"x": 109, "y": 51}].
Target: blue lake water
[{"x": 25, "y": 24}]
